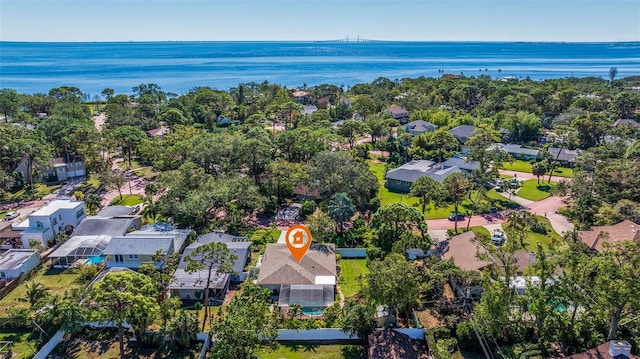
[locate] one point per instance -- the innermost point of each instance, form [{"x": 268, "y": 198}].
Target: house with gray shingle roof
[
  {"x": 419, "y": 126},
  {"x": 190, "y": 286},
  {"x": 400, "y": 179},
  {"x": 516, "y": 151},
  {"x": 463, "y": 133},
  {"x": 140, "y": 246},
  {"x": 310, "y": 282}
]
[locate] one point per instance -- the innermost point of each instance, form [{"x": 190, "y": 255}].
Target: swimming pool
[
  {"x": 95, "y": 260},
  {"x": 313, "y": 311}
]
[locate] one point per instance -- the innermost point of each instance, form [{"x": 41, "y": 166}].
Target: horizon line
[{"x": 342, "y": 40}]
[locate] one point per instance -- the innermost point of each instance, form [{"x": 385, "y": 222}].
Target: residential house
[
  {"x": 191, "y": 286},
  {"x": 419, "y": 126},
  {"x": 463, "y": 250},
  {"x": 90, "y": 239},
  {"x": 15, "y": 262},
  {"x": 623, "y": 231},
  {"x": 61, "y": 170},
  {"x": 302, "y": 97},
  {"x": 516, "y": 151},
  {"x": 309, "y": 109},
  {"x": 140, "y": 246},
  {"x": 463, "y": 133},
  {"x": 565, "y": 157},
  {"x": 159, "y": 132},
  {"x": 60, "y": 215},
  {"x": 626, "y": 122},
  {"x": 309, "y": 283},
  {"x": 305, "y": 193},
  {"x": 400, "y": 179},
  {"x": 399, "y": 113},
  {"x": 223, "y": 121},
  {"x": 58, "y": 170},
  {"x": 614, "y": 349}
]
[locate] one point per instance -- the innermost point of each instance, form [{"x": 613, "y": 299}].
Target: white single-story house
[{"x": 14, "y": 262}]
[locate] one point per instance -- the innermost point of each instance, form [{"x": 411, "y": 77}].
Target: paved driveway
[{"x": 546, "y": 207}]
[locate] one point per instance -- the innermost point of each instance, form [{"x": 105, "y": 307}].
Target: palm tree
[
  {"x": 93, "y": 203},
  {"x": 612, "y": 75},
  {"x": 341, "y": 209},
  {"x": 36, "y": 292},
  {"x": 538, "y": 169},
  {"x": 458, "y": 187},
  {"x": 520, "y": 220}
]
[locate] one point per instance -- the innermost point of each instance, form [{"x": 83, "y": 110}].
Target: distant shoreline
[{"x": 332, "y": 41}]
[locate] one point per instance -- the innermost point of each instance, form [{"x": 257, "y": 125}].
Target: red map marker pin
[{"x": 298, "y": 240}]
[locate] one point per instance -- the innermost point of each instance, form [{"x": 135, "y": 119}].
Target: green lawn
[
  {"x": 351, "y": 269},
  {"x": 127, "y": 200},
  {"x": 480, "y": 231},
  {"x": 533, "y": 191},
  {"x": 24, "y": 342},
  {"x": 40, "y": 190},
  {"x": 311, "y": 351},
  {"x": 533, "y": 239},
  {"x": 518, "y": 166},
  {"x": 387, "y": 197},
  {"x": 56, "y": 280},
  {"x": 563, "y": 172},
  {"x": 525, "y": 166}
]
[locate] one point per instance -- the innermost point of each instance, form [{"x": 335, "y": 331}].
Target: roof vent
[{"x": 619, "y": 347}]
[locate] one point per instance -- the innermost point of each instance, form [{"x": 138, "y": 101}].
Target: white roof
[
  {"x": 325, "y": 280},
  {"x": 56, "y": 205},
  {"x": 14, "y": 258}
]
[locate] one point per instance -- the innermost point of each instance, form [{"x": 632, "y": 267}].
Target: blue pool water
[
  {"x": 95, "y": 260},
  {"x": 313, "y": 312}
]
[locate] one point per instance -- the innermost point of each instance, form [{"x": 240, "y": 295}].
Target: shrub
[
  {"x": 441, "y": 333},
  {"x": 538, "y": 227},
  {"x": 308, "y": 207},
  {"x": 87, "y": 272},
  {"x": 467, "y": 338}
]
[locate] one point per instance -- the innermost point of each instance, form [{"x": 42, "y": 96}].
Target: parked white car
[
  {"x": 498, "y": 237},
  {"x": 11, "y": 215}
]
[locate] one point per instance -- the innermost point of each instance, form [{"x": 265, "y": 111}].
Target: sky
[{"x": 246, "y": 20}]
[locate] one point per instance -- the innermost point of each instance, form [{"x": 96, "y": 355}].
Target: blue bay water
[{"x": 179, "y": 66}]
